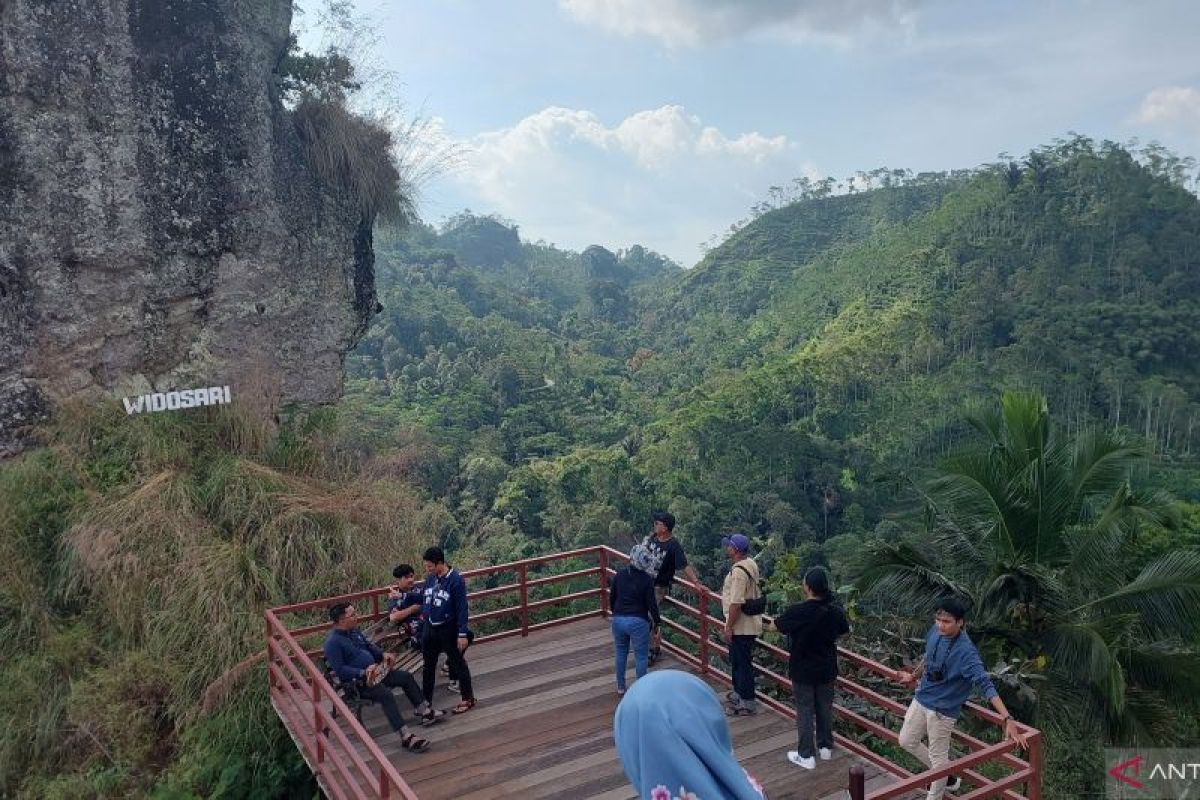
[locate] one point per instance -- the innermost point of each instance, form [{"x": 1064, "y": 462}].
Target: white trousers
[{"x": 924, "y": 723}]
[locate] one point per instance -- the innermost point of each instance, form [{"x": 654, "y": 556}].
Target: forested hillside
[{"x": 784, "y": 383}]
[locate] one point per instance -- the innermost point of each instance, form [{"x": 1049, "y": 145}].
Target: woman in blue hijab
[{"x": 674, "y": 742}]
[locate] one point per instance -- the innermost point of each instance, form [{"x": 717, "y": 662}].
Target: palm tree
[{"x": 1037, "y": 533}]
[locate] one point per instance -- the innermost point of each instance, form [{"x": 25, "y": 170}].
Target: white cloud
[
  {"x": 660, "y": 177},
  {"x": 1171, "y": 106},
  {"x": 696, "y": 22}
]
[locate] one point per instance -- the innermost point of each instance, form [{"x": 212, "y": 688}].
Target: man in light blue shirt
[{"x": 944, "y": 679}]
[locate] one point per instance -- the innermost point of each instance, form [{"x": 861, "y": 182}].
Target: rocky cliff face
[{"x": 158, "y": 226}]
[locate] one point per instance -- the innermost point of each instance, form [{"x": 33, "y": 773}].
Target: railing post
[
  {"x": 858, "y": 784},
  {"x": 270, "y": 656},
  {"x": 702, "y": 604},
  {"x": 1033, "y": 790},
  {"x": 603, "y": 582},
  {"x": 385, "y": 786},
  {"x": 374, "y": 606},
  {"x": 523, "y": 578},
  {"x": 318, "y": 734}
]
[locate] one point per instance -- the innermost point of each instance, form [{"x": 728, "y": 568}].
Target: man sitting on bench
[{"x": 356, "y": 662}]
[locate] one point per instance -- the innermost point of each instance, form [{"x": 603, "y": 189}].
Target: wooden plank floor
[{"x": 543, "y": 728}]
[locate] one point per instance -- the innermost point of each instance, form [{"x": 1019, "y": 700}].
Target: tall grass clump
[
  {"x": 352, "y": 155},
  {"x": 136, "y": 557}
]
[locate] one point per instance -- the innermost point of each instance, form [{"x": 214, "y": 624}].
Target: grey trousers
[{"x": 814, "y": 702}]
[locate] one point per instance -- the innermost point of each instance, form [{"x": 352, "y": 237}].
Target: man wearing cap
[{"x": 741, "y": 629}]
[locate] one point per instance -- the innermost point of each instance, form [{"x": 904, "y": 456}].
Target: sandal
[
  {"x": 414, "y": 744},
  {"x": 433, "y": 717},
  {"x": 738, "y": 711},
  {"x": 465, "y": 706}
]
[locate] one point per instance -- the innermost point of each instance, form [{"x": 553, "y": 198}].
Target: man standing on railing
[
  {"x": 950, "y": 669},
  {"x": 741, "y": 629},
  {"x": 356, "y": 662},
  {"x": 666, "y": 549},
  {"x": 445, "y": 629}
]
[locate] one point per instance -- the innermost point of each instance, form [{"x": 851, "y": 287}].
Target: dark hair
[
  {"x": 337, "y": 611},
  {"x": 817, "y": 580},
  {"x": 402, "y": 571},
  {"x": 952, "y": 606},
  {"x": 435, "y": 555},
  {"x": 666, "y": 518}
]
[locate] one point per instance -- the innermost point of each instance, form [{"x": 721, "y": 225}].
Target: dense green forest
[{"x": 847, "y": 377}]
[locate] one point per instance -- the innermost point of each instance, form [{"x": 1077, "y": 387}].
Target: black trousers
[
  {"x": 470, "y": 641},
  {"x": 813, "y": 701},
  {"x": 741, "y": 665},
  {"x": 444, "y": 639},
  {"x": 382, "y": 693}
]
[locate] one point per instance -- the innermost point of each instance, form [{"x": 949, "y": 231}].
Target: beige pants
[{"x": 923, "y": 723}]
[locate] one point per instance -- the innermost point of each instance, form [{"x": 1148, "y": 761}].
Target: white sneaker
[
  {"x": 953, "y": 782},
  {"x": 825, "y": 753},
  {"x": 453, "y": 686},
  {"x": 806, "y": 763}
]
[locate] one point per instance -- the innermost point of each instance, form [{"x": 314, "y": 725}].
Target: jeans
[
  {"x": 444, "y": 639},
  {"x": 741, "y": 665},
  {"x": 921, "y": 723},
  {"x": 627, "y": 630},
  {"x": 381, "y": 693},
  {"x": 813, "y": 701}
]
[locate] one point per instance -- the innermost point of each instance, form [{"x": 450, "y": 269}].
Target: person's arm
[
  {"x": 973, "y": 669},
  {"x": 460, "y": 605},
  {"x": 612, "y": 592},
  {"x": 375, "y": 652},
  {"x": 690, "y": 571},
  {"x": 737, "y": 596},
  {"x": 787, "y": 622},
  {"x": 401, "y": 613}
]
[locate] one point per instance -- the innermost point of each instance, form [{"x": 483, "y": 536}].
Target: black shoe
[{"x": 953, "y": 782}]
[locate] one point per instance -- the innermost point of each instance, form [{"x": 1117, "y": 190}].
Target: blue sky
[{"x": 660, "y": 122}]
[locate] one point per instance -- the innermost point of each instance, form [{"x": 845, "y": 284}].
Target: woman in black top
[
  {"x": 813, "y": 628},
  {"x": 633, "y": 605}
]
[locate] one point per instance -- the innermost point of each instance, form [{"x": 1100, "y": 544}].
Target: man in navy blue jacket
[
  {"x": 445, "y": 629},
  {"x": 354, "y": 659},
  {"x": 944, "y": 679}
]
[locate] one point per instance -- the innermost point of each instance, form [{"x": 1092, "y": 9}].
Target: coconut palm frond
[
  {"x": 1165, "y": 596},
  {"x": 903, "y": 577},
  {"x": 1101, "y": 462},
  {"x": 1170, "y": 668}
]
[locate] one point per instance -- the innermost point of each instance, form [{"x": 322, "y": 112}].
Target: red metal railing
[
  {"x": 346, "y": 760},
  {"x": 348, "y": 763},
  {"x": 1023, "y": 773}
]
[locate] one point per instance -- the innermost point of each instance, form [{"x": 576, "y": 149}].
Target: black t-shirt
[
  {"x": 813, "y": 628},
  {"x": 632, "y": 595},
  {"x": 673, "y": 559}
]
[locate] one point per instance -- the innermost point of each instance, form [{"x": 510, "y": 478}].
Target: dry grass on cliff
[{"x": 354, "y": 156}]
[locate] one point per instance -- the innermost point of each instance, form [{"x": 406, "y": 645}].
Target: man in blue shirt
[
  {"x": 445, "y": 629},
  {"x": 944, "y": 679},
  {"x": 356, "y": 661}
]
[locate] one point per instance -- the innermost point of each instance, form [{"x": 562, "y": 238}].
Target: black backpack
[{"x": 753, "y": 606}]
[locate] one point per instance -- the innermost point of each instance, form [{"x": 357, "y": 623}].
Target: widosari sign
[{"x": 174, "y": 401}]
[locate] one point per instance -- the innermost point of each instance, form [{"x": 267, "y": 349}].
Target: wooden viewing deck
[{"x": 543, "y": 726}]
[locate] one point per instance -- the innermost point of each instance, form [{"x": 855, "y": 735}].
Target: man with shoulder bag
[{"x": 743, "y": 604}]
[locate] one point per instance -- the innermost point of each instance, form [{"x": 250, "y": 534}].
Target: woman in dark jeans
[
  {"x": 813, "y": 628},
  {"x": 631, "y": 600}
]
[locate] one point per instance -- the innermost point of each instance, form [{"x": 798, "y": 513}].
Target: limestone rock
[{"x": 158, "y": 225}]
